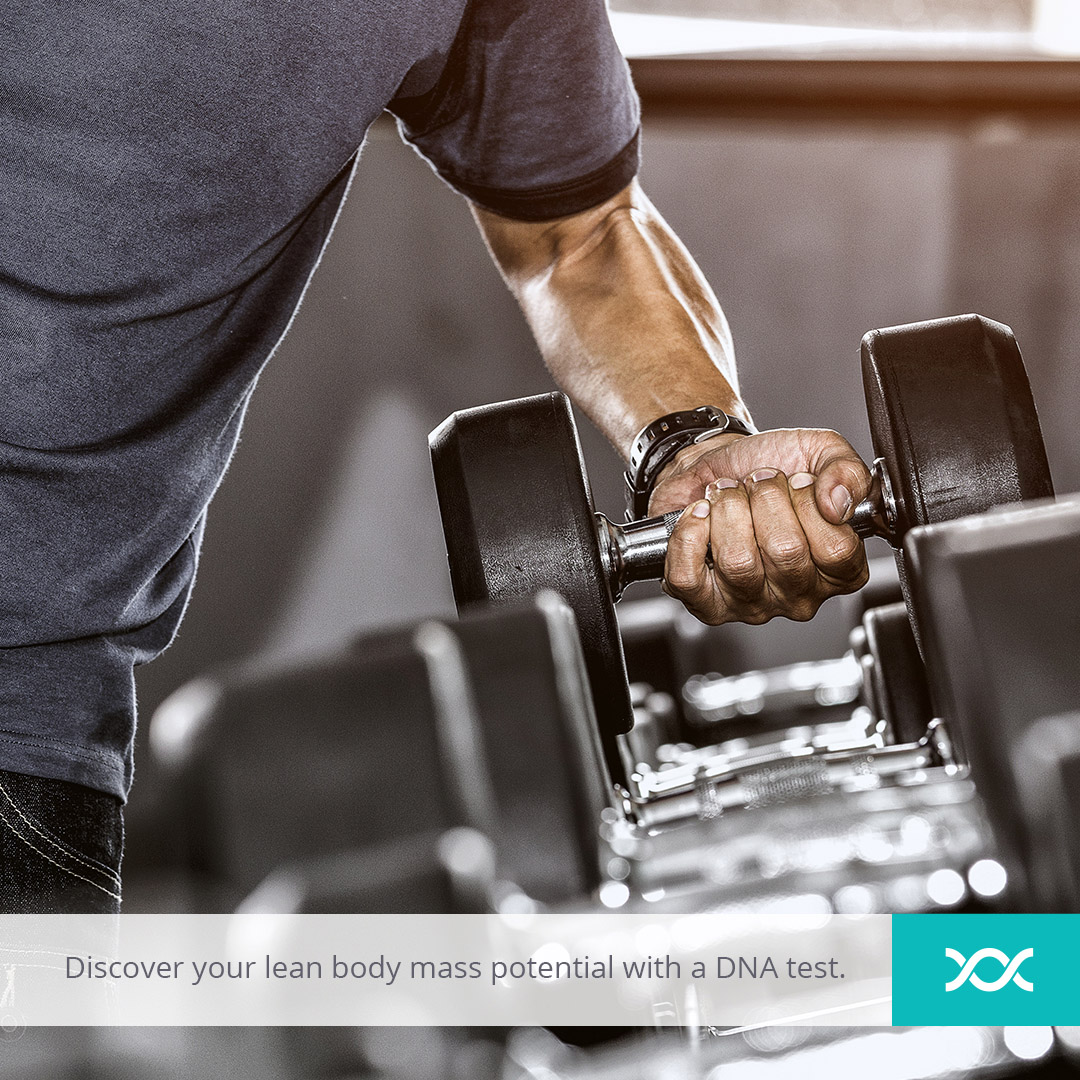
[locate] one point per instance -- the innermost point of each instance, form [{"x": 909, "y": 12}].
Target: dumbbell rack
[
  {"x": 727, "y": 822},
  {"x": 955, "y": 433}
]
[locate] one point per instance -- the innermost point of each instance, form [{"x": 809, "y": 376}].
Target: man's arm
[
  {"x": 626, "y": 322},
  {"x": 631, "y": 330}
]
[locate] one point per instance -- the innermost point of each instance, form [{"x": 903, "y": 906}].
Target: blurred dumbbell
[
  {"x": 484, "y": 724},
  {"x": 375, "y": 741},
  {"x": 548, "y": 774},
  {"x": 999, "y": 596},
  {"x": 895, "y": 674},
  {"x": 1046, "y": 764}
]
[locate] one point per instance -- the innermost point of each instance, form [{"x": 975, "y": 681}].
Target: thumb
[{"x": 843, "y": 481}]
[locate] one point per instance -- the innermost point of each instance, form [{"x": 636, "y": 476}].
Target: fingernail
[
  {"x": 725, "y": 483},
  {"x": 841, "y": 500},
  {"x": 701, "y": 509},
  {"x": 800, "y": 480},
  {"x": 762, "y": 474}
]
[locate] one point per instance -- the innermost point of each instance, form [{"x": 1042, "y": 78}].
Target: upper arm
[{"x": 534, "y": 115}]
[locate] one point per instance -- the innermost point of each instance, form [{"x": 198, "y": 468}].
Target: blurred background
[{"x": 834, "y": 165}]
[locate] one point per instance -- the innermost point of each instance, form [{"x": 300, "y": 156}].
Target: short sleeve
[{"x": 534, "y": 115}]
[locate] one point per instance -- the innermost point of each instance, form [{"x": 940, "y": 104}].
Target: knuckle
[
  {"x": 789, "y": 554},
  {"x": 683, "y": 554},
  {"x": 831, "y": 440},
  {"x": 680, "y": 579},
  {"x": 841, "y": 547},
  {"x": 855, "y": 583},
  {"x": 803, "y": 609},
  {"x": 839, "y": 585},
  {"x": 688, "y": 532},
  {"x": 741, "y": 567}
]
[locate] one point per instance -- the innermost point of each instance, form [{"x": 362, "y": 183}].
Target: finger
[
  {"x": 842, "y": 481},
  {"x": 686, "y": 575},
  {"x": 737, "y": 564},
  {"x": 785, "y": 552},
  {"x": 838, "y": 554}
]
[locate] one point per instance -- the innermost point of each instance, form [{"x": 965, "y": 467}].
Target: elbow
[{"x": 530, "y": 254}]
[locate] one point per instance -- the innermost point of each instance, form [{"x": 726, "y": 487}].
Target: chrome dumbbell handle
[
  {"x": 636, "y": 551},
  {"x": 876, "y": 514}
]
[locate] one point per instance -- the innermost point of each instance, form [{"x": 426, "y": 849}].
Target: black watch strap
[{"x": 659, "y": 441}]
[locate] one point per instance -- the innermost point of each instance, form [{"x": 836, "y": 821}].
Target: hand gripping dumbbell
[
  {"x": 637, "y": 550},
  {"x": 954, "y": 432}
]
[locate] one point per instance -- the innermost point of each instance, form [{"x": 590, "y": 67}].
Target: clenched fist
[{"x": 764, "y": 531}]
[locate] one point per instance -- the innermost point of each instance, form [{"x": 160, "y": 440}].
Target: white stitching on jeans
[
  {"x": 66, "y": 869},
  {"x": 104, "y": 871},
  {"x": 62, "y": 848}
]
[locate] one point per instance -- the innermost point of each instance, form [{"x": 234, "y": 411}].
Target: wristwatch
[{"x": 659, "y": 441}]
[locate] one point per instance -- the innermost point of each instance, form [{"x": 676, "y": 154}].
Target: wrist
[
  {"x": 660, "y": 441},
  {"x": 685, "y": 458}
]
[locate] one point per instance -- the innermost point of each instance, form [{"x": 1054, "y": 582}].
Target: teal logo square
[{"x": 985, "y": 969}]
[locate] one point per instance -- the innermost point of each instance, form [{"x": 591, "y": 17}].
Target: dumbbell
[
  {"x": 894, "y": 675},
  {"x": 954, "y": 432},
  {"x": 998, "y": 597},
  {"x": 381, "y": 748}
]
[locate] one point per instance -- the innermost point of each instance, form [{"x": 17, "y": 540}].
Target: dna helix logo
[{"x": 1009, "y": 974}]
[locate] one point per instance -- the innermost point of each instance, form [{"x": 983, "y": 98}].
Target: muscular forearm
[
  {"x": 626, "y": 322},
  {"x": 631, "y": 330}
]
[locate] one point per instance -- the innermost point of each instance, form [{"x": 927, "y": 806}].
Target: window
[{"x": 1006, "y": 28}]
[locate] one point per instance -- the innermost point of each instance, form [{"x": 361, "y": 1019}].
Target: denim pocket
[{"x": 60, "y": 847}]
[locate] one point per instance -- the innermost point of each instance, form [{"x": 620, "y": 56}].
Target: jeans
[{"x": 60, "y": 847}]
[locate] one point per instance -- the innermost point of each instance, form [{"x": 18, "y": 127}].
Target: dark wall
[{"x": 812, "y": 230}]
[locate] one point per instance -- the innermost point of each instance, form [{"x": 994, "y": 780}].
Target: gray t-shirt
[{"x": 169, "y": 173}]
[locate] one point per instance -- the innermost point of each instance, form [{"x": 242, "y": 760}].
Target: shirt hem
[
  {"x": 54, "y": 761},
  {"x": 561, "y": 199}
]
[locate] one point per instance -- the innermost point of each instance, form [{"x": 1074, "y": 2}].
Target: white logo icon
[{"x": 1010, "y": 974}]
